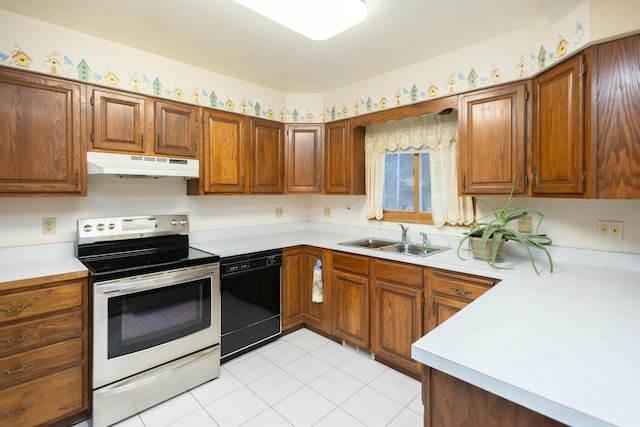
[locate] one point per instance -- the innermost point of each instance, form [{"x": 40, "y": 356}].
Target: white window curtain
[{"x": 437, "y": 133}]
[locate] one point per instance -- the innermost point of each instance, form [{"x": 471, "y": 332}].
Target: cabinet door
[
  {"x": 118, "y": 121},
  {"x": 492, "y": 140},
  {"x": 176, "y": 129},
  {"x": 616, "y": 113},
  {"x": 344, "y": 159},
  {"x": 292, "y": 287},
  {"x": 558, "y": 129},
  {"x": 224, "y": 152},
  {"x": 304, "y": 154},
  {"x": 396, "y": 322},
  {"x": 351, "y": 307},
  {"x": 41, "y": 135},
  {"x": 267, "y": 157},
  {"x": 316, "y": 315},
  {"x": 442, "y": 309}
]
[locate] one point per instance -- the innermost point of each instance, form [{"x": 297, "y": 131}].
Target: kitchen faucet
[
  {"x": 425, "y": 239},
  {"x": 404, "y": 233}
]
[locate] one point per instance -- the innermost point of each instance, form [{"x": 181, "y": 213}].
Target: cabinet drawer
[
  {"x": 32, "y": 364},
  {"x": 398, "y": 272},
  {"x": 42, "y": 401},
  {"x": 348, "y": 262},
  {"x": 460, "y": 285},
  {"x": 40, "y": 332},
  {"x": 22, "y": 305}
]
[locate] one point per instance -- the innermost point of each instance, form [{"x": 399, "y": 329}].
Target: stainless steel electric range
[{"x": 155, "y": 312}]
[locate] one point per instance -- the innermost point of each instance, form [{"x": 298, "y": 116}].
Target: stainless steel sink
[
  {"x": 369, "y": 242},
  {"x": 395, "y": 246},
  {"x": 409, "y": 249}
]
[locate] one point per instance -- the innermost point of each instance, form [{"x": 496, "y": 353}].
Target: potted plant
[{"x": 488, "y": 234}]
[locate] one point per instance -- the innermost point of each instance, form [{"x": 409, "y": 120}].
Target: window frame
[{"x": 415, "y": 216}]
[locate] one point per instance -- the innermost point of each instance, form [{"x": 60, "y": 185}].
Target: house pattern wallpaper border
[{"x": 72, "y": 64}]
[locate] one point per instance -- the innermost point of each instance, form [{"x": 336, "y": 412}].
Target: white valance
[{"x": 429, "y": 130}]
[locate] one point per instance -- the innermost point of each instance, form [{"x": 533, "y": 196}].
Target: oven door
[{"x": 143, "y": 322}]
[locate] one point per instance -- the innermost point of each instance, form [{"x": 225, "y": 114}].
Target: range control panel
[{"x": 115, "y": 228}]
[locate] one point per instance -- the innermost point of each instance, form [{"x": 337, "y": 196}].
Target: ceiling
[{"x": 224, "y": 37}]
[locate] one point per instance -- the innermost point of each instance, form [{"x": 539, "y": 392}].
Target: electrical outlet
[
  {"x": 610, "y": 229},
  {"x": 525, "y": 225},
  {"x": 327, "y": 212},
  {"x": 279, "y": 212},
  {"x": 49, "y": 225}
]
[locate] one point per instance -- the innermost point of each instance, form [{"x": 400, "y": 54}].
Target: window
[
  {"x": 411, "y": 171},
  {"x": 407, "y": 194}
]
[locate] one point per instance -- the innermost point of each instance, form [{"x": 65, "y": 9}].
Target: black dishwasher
[{"x": 250, "y": 301}]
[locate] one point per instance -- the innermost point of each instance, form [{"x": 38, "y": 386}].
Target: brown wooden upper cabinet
[
  {"x": 558, "y": 155},
  {"x": 125, "y": 122},
  {"x": 42, "y": 131},
  {"x": 267, "y": 156},
  {"x": 118, "y": 121},
  {"x": 344, "y": 159},
  {"x": 225, "y": 152},
  {"x": 176, "y": 129},
  {"x": 304, "y": 158},
  {"x": 492, "y": 140},
  {"x": 616, "y": 117}
]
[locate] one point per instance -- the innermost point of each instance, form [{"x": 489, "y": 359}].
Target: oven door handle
[{"x": 153, "y": 281}]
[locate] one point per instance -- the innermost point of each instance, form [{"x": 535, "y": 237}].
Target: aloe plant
[{"x": 494, "y": 226}]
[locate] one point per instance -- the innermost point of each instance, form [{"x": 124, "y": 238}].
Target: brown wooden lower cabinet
[
  {"x": 297, "y": 277},
  {"x": 449, "y": 401},
  {"x": 350, "y": 287},
  {"x": 44, "y": 353},
  {"x": 396, "y": 312}
]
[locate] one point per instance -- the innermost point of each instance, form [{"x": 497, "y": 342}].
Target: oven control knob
[
  {"x": 174, "y": 222},
  {"x": 183, "y": 222},
  {"x": 111, "y": 226},
  {"x": 100, "y": 227},
  {"x": 87, "y": 228}
]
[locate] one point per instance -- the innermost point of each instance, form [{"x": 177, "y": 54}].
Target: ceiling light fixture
[{"x": 315, "y": 19}]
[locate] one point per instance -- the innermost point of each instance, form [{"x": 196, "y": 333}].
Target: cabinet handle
[
  {"x": 533, "y": 178},
  {"x": 433, "y": 307},
  {"x": 460, "y": 292},
  {"x": 464, "y": 182},
  {"x": 22, "y": 410},
  {"x": 16, "y": 371},
  {"x": 141, "y": 138},
  {"x": 15, "y": 310},
  {"x": 77, "y": 179},
  {"x": 16, "y": 340}
]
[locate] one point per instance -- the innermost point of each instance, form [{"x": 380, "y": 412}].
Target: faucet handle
[{"x": 425, "y": 239}]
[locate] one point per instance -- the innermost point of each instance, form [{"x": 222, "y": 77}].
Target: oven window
[{"x": 146, "y": 319}]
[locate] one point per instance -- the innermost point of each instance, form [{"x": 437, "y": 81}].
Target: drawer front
[
  {"x": 42, "y": 401},
  {"x": 23, "y": 305},
  {"x": 460, "y": 285},
  {"x": 32, "y": 364},
  {"x": 353, "y": 263},
  {"x": 398, "y": 272},
  {"x": 40, "y": 332}
]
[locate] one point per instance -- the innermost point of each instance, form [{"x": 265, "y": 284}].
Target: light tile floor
[{"x": 302, "y": 379}]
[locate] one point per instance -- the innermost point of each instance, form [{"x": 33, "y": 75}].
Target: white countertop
[
  {"x": 565, "y": 344},
  {"x": 26, "y": 262}
]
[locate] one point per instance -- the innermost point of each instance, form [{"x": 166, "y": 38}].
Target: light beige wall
[{"x": 610, "y": 18}]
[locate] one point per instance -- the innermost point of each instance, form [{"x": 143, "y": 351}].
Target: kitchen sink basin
[
  {"x": 394, "y": 246},
  {"x": 409, "y": 249},
  {"x": 369, "y": 242}
]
